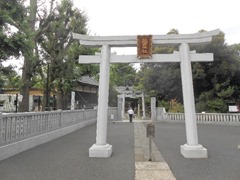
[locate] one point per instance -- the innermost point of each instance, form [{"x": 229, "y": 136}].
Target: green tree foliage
[
  {"x": 215, "y": 83},
  {"x": 42, "y": 33},
  {"x": 23, "y": 20},
  {"x": 162, "y": 79},
  {"x": 235, "y": 51},
  {"x": 20, "y": 41},
  {"x": 120, "y": 75},
  {"x": 10, "y": 42},
  {"x": 61, "y": 51},
  {"x": 18, "y": 35},
  {"x": 28, "y": 27},
  {"x": 8, "y": 77}
]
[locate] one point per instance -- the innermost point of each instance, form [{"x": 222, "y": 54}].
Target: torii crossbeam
[{"x": 192, "y": 149}]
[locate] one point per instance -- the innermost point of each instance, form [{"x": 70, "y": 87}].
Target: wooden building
[{"x": 86, "y": 96}]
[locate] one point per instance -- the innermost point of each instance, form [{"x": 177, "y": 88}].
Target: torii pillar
[
  {"x": 101, "y": 148},
  {"x": 123, "y": 105},
  {"x": 192, "y": 149}
]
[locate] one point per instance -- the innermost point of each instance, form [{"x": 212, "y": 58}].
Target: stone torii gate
[
  {"x": 132, "y": 94},
  {"x": 192, "y": 149}
]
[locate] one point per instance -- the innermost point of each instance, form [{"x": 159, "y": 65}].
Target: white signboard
[{"x": 233, "y": 108}]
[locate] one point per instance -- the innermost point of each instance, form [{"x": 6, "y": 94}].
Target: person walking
[{"x": 130, "y": 113}]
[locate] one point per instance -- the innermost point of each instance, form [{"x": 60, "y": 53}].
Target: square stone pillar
[
  {"x": 120, "y": 109},
  {"x": 143, "y": 106},
  {"x": 153, "y": 109}
]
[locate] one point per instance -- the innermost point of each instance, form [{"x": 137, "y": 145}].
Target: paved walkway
[
  {"x": 157, "y": 168},
  {"x": 67, "y": 158},
  {"x": 221, "y": 141}
]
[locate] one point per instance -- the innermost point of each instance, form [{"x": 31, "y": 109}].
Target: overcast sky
[{"x": 157, "y": 17}]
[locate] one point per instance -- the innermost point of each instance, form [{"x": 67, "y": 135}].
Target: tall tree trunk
[
  {"x": 24, "y": 91},
  {"x": 44, "y": 100},
  {"x": 28, "y": 59},
  {"x": 65, "y": 97},
  {"x": 60, "y": 100}
]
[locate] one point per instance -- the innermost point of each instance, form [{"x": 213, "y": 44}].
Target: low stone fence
[
  {"x": 212, "y": 118},
  {"x": 18, "y": 126},
  {"x": 22, "y": 131}
]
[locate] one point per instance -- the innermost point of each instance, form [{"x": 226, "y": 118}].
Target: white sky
[{"x": 157, "y": 17}]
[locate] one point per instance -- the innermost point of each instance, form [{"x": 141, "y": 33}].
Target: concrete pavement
[
  {"x": 67, "y": 157},
  {"x": 221, "y": 141},
  {"x": 157, "y": 168}
]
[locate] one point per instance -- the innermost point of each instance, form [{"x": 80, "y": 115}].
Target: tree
[
  {"x": 24, "y": 20},
  {"x": 215, "y": 83},
  {"x": 10, "y": 42},
  {"x": 235, "y": 51},
  {"x": 162, "y": 80},
  {"x": 30, "y": 54},
  {"x": 16, "y": 16},
  {"x": 44, "y": 34},
  {"x": 120, "y": 75},
  {"x": 61, "y": 51},
  {"x": 8, "y": 77}
]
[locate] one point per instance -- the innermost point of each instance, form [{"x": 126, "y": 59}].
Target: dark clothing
[{"x": 130, "y": 117}]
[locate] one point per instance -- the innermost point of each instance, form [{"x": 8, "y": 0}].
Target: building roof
[{"x": 88, "y": 80}]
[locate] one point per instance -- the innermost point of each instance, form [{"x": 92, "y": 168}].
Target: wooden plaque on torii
[{"x": 144, "y": 46}]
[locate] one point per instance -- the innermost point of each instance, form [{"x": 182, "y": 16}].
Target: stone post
[
  {"x": 123, "y": 105},
  {"x": 143, "y": 106},
  {"x": 192, "y": 149},
  {"x": 153, "y": 109},
  {"x": 119, "y": 109},
  {"x": 101, "y": 148},
  {"x": 138, "y": 112}
]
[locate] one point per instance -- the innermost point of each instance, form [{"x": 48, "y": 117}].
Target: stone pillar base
[
  {"x": 189, "y": 151},
  {"x": 100, "y": 151}
]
